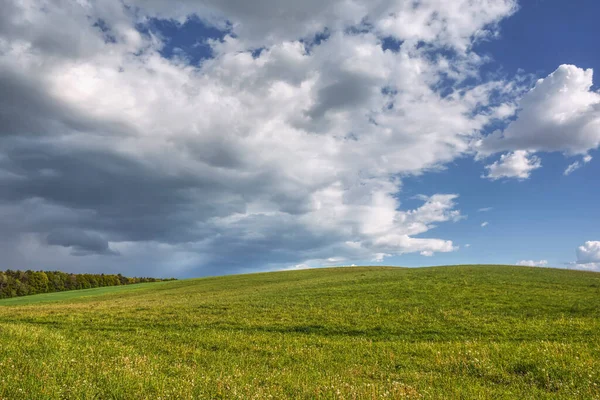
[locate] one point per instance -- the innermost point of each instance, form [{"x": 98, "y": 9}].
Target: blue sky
[
  {"x": 169, "y": 138},
  {"x": 549, "y": 215},
  {"x": 545, "y": 218},
  {"x": 546, "y": 33}
]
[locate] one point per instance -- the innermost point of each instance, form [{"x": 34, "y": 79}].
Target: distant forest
[{"x": 23, "y": 283}]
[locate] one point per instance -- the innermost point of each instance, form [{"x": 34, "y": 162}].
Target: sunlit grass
[{"x": 343, "y": 333}]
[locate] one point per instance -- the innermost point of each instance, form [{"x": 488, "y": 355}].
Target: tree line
[{"x": 23, "y": 283}]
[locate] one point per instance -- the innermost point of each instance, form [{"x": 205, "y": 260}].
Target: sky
[{"x": 191, "y": 138}]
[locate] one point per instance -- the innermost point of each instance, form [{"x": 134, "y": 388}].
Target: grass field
[{"x": 343, "y": 333}]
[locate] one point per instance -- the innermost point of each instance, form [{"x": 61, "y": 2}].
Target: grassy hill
[{"x": 343, "y": 333}]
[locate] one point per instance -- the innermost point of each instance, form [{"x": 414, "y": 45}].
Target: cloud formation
[
  {"x": 82, "y": 243},
  {"x": 561, "y": 113},
  {"x": 517, "y": 164},
  {"x": 588, "y": 255},
  {"x": 576, "y": 165},
  {"x": 291, "y": 155},
  {"x": 271, "y": 21},
  {"x": 532, "y": 263}
]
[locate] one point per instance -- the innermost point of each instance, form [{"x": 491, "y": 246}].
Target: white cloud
[
  {"x": 572, "y": 167},
  {"x": 427, "y": 253},
  {"x": 448, "y": 25},
  {"x": 588, "y": 257},
  {"x": 298, "y": 267},
  {"x": 379, "y": 257},
  {"x": 517, "y": 164},
  {"x": 467, "y": 245},
  {"x": 585, "y": 267},
  {"x": 576, "y": 165},
  {"x": 484, "y": 224},
  {"x": 532, "y": 263},
  {"x": 268, "y": 22},
  {"x": 561, "y": 113},
  {"x": 486, "y": 209},
  {"x": 589, "y": 253}
]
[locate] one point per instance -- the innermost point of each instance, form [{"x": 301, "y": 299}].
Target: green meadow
[{"x": 467, "y": 332}]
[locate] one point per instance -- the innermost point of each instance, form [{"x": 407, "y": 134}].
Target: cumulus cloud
[
  {"x": 561, "y": 113},
  {"x": 379, "y": 257},
  {"x": 297, "y": 267},
  {"x": 517, "y": 164},
  {"x": 588, "y": 257},
  {"x": 595, "y": 267},
  {"x": 272, "y": 21},
  {"x": 291, "y": 155},
  {"x": 532, "y": 263},
  {"x": 484, "y": 224},
  {"x": 589, "y": 253},
  {"x": 247, "y": 160}
]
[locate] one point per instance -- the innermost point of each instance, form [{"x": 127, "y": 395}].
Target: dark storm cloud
[
  {"x": 256, "y": 242},
  {"x": 129, "y": 199},
  {"x": 82, "y": 243}
]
